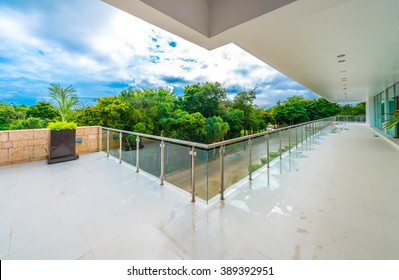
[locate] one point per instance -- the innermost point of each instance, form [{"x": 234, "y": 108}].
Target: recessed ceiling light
[
  {"x": 341, "y": 55},
  {"x": 340, "y": 61}
]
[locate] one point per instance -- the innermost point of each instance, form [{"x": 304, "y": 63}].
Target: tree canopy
[{"x": 202, "y": 114}]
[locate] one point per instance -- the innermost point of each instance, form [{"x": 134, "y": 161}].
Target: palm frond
[{"x": 393, "y": 121}]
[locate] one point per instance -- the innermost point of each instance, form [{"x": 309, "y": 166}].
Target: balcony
[{"x": 331, "y": 196}]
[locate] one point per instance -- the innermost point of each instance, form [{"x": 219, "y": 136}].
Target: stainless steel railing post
[
  {"x": 281, "y": 149},
  {"x": 120, "y": 147},
  {"x": 267, "y": 150},
  {"x": 193, "y": 153},
  {"x": 221, "y": 163},
  {"x": 306, "y": 131},
  {"x": 289, "y": 140},
  {"x": 100, "y": 139},
  {"x": 250, "y": 159},
  {"x": 296, "y": 137},
  {"x": 314, "y": 130},
  {"x": 108, "y": 143},
  {"x": 162, "y": 177},
  {"x": 137, "y": 153}
]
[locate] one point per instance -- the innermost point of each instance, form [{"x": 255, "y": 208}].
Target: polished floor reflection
[{"x": 334, "y": 198}]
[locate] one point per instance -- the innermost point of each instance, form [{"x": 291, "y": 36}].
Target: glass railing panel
[
  {"x": 321, "y": 126},
  {"x": 325, "y": 124},
  {"x": 294, "y": 137},
  {"x": 259, "y": 153},
  {"x": 308, "y": 130},
  {"x": 361, "y": 119},
  {"x": 177, "y": 166},
  {"x": 150, "y": 156},
  {"x": 104, "y": 140},
  {"x": 301, "y": 134},
  {"x": 201, "y": 177},
  {"x": 274, "y": 146},
  {"x": 129, "y": 148},
  {"x": 285, "y": 140},
  {"x": 114, "y": 144},
  {"x": 213, "y": 157},
  {"x": 236, "y": 163}
]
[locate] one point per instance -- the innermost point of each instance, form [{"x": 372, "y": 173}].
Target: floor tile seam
[
  {"x": 81, "y": 256},
  {"x": 329, "y": 245},
  {"x": 170, "y": 249},
  {"x": 10, "y": 236},
  {"x": 106, "y": 243},
  {"x": 364, "y": 208},
  {"x": 250, "y": 237},
  {"x": 359, "y": 229},
  {"x": 295, "y": 238},
  {"x": 80, "y": 229},
  {"x": 256, "y": 250}
]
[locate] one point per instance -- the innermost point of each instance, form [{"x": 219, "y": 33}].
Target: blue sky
[{"x": 101, "y": 50}]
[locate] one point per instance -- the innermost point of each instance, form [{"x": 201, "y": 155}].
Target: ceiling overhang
[{"x": 343, "y": 50}]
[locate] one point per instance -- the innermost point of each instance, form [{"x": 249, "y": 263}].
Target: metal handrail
[
  {"x": 160, "y": 138},
  {"x": 351, "y": 118},
  {"x": 213, "y": 145}
]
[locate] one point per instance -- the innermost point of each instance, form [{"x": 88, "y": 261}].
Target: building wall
[{"x": 18, "y": 146}]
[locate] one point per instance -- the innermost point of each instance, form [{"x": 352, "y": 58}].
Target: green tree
[
  {"x": 244, "y": 101},
  {"x": 143, "y": 128},
  {"x": 148, "y": 107},
  {"x": 8, "y": 114},
  {"x": 359, "y": 109},
  {"x": 321, "y": 108},
  {"x": 64, "y": 99},
  {"x": 29, "y": 123},
  {"x": 203, "y": 98},
  {"x": 184, "y": 126},
  {"x": 43, "y": 110},
  {"x": 109, "y": 111},
  {"x": 235, "y": 120},
  {"x": 291, "y": 111},
  {"x": 215, "y": 129},
  {"x": 346, "y": 110}
]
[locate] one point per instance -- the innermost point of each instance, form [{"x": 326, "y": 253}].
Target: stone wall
[{"x": 18, "y": 146}]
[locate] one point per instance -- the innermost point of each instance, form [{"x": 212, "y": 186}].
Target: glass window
[
  {"x": 383, "y": 108},
  {"x": 378, "y": 111},
  {"x": 391, "y": 108}
]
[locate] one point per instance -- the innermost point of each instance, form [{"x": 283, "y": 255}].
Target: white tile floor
[{"x": 335, "y": 200}]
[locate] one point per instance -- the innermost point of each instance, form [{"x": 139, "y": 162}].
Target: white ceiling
[{"x": 301, "y": 39}]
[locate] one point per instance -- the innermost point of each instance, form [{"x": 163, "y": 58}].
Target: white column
[{"x": 370, "y": 111}]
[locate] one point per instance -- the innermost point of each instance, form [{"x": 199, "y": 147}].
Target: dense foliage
[{"x": 202, "y": 114}]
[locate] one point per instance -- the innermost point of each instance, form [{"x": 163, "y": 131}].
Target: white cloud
[{"x": 91, "y": 42}]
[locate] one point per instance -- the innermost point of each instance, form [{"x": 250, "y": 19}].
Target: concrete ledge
[{"x": 19, "y": 146}]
